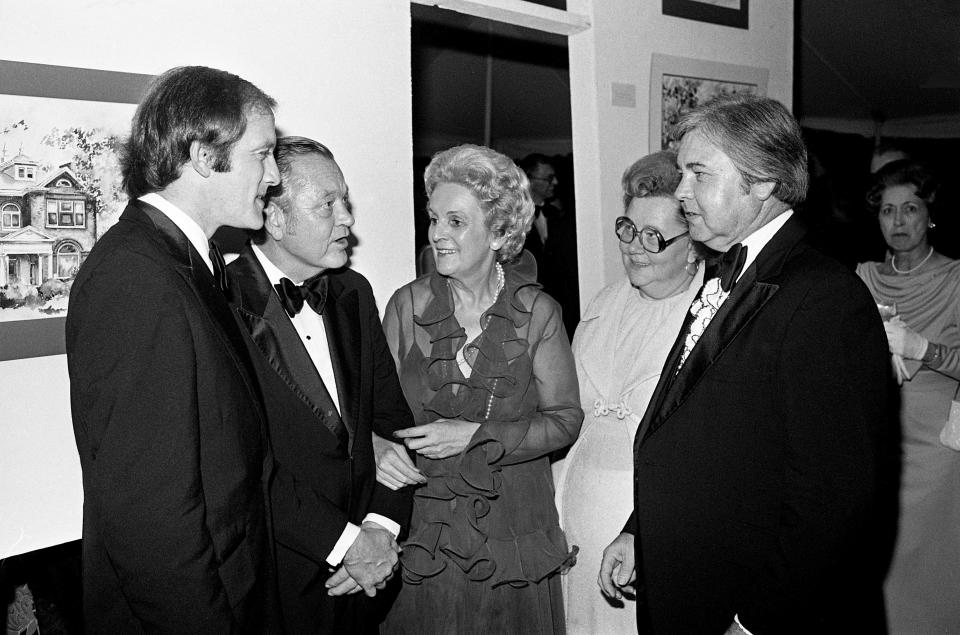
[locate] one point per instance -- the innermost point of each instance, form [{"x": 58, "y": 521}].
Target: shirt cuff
[
  {"x": 383, "y": 521},
  {"x": 350, "y": 533}
]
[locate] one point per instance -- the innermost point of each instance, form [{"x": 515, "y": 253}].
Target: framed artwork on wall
[
  {"x": 679, "y": 84},
  {"x": 733, "y": 13},
  {"x": 61, "y": 129}
]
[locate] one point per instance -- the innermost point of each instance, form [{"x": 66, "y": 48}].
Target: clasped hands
[
  {"x": 436, "y": 440},
  {"x": 368, "y": 564}
]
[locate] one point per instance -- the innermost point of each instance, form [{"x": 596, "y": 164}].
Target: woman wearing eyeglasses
[
  {"x": 920, "y": 291},
  {"x": 620, "y": 346}
]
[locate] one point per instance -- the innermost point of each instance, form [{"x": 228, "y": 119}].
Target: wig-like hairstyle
[
  {"x": 653, "y": 175},
  {"x": 501, "y": 188},
  {"x": 904, "y": 172},
  {"x": 760, "y": 136},
  {"x": 183, "y": 105}
]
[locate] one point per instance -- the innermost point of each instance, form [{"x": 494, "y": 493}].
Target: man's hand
[
  {"x": 617, "y": 567},
  {"x": 438, "y": 440},
  {"x": 340, "y": 583},
  {"x": 395, "y": 469},
  {"x": 369, "y": 561}
]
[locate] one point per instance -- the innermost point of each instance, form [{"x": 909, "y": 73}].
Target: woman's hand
[
  {"x": 394, "y": 467},
  {"x": 440, "y": 439},
  {"x": 903, "y": 340}
]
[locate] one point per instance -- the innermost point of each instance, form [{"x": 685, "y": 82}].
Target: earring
[
  {"x": 693, "y": 267},
  {"x": 931, "y": 225}
]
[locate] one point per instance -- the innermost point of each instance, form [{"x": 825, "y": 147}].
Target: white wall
[
  {"x": 341, "y": 73},
  {"x": 606, "y": 138}
]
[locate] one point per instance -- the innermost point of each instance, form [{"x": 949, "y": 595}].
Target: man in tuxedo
[
  {"x": 329, "y": 381},
  {"x": 167, "y": 416},
  {"x": 765, "y": 463},
  {"x": 552, "y": 240}
]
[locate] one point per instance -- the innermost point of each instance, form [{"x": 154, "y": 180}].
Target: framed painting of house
[
  {"x": 60, "y": 134},
  {"x": 733, "y": 13},
  {"x": 679, "y": 84}
]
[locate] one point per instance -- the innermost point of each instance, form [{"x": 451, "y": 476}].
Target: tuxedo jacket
[
  {"x": 557, "y": 262},
  {"x": 171, "y": 437},
  {"x": 325, "y": 472},
  {"x": 765, "y": 468}
]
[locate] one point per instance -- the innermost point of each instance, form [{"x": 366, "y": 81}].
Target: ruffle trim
[
  {"x": 450, "y": 534},
  {"x": 497, "y": 347}
]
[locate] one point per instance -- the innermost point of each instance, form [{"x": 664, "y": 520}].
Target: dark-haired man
[
  {"x": 765, "y": 464},
  {"x": 329, "y": 381},
  {"x": 166, "y": 411},
  {"x": 553, "y": 240}
]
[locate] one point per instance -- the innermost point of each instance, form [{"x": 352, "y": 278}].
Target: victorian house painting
[{"x": 47, "y": 223}]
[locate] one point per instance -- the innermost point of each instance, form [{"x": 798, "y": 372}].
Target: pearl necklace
[
  {"x": 500, "y": 282},
  {"x": 893, "y": 263},
  {"x": 462, "y": 360}
]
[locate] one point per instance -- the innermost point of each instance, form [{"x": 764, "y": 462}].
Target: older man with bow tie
[
  {"x": 765, "y": 464},
  {"x": 328, "y": 381}
]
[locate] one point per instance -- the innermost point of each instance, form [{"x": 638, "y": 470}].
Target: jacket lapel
[
  {"x": 747, "y": 299},
  {"x": 193, "y": 269},
  {"x": 341, "y": 317},
  {"x": 277, "y": 339}
]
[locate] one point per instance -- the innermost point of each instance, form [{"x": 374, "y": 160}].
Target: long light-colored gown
[
  {"x": 923, "y": 586},
  {"x": 620, "y": 346}
]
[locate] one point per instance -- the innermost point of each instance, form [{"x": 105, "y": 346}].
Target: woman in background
[
  {"x": 922, "y": 288},
  {"x": 620, "y": 347},
  {"x": 486, "y": 368}
]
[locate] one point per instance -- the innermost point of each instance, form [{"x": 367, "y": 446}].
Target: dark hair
[
  {"x": 530, "y": 162},
  {"x": 904, "y": 172},
  {"x": 183, "y": 105},
  {"x": 288, "y": 149},
  {"x": 760, "y": 136},
  {"x": 653, "y": 175},
  {"x": 500, "y": 187}
]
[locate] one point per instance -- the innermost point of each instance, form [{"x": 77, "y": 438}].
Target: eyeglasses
[
  {"x": 907, "y": 209},
  {"x": 650, "y": 239},
  {"x": 549, "y": 179}
]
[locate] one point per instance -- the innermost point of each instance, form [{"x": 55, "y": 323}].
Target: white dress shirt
[
  {"x": 310, "y": 328},
  {"x": 186, "y": 224}
]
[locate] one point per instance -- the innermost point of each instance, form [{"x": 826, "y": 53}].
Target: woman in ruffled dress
[
  {"x": 486, "y": 368},
  {"x": 620, "y": 346},
  {"x": 922, "y": 286}
]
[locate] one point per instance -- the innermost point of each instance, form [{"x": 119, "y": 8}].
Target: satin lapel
[
  {"x": 273, "y": 333},
  {"x": 192, "y": 267},
  {"x": 341, "y": 317},
  {"x": 667, "y": 376},
  {"x": 748, "y": 298}
]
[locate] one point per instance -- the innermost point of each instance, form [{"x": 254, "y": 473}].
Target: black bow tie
[
  {"x": 292, "y": 297},
  {"x": 727, "y": 266},
  {"x": 219, "y": 267}
]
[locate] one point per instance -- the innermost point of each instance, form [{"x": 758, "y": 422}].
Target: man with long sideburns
[
  {"x": 328, "y": 380},
  {"x": 166, "y": 412},
  {"x": 765, "y": 463}
]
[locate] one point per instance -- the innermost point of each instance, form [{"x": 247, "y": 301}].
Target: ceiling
[
  {"x": 896, "y": 61},
  {"x": 859, "y": 64}
]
